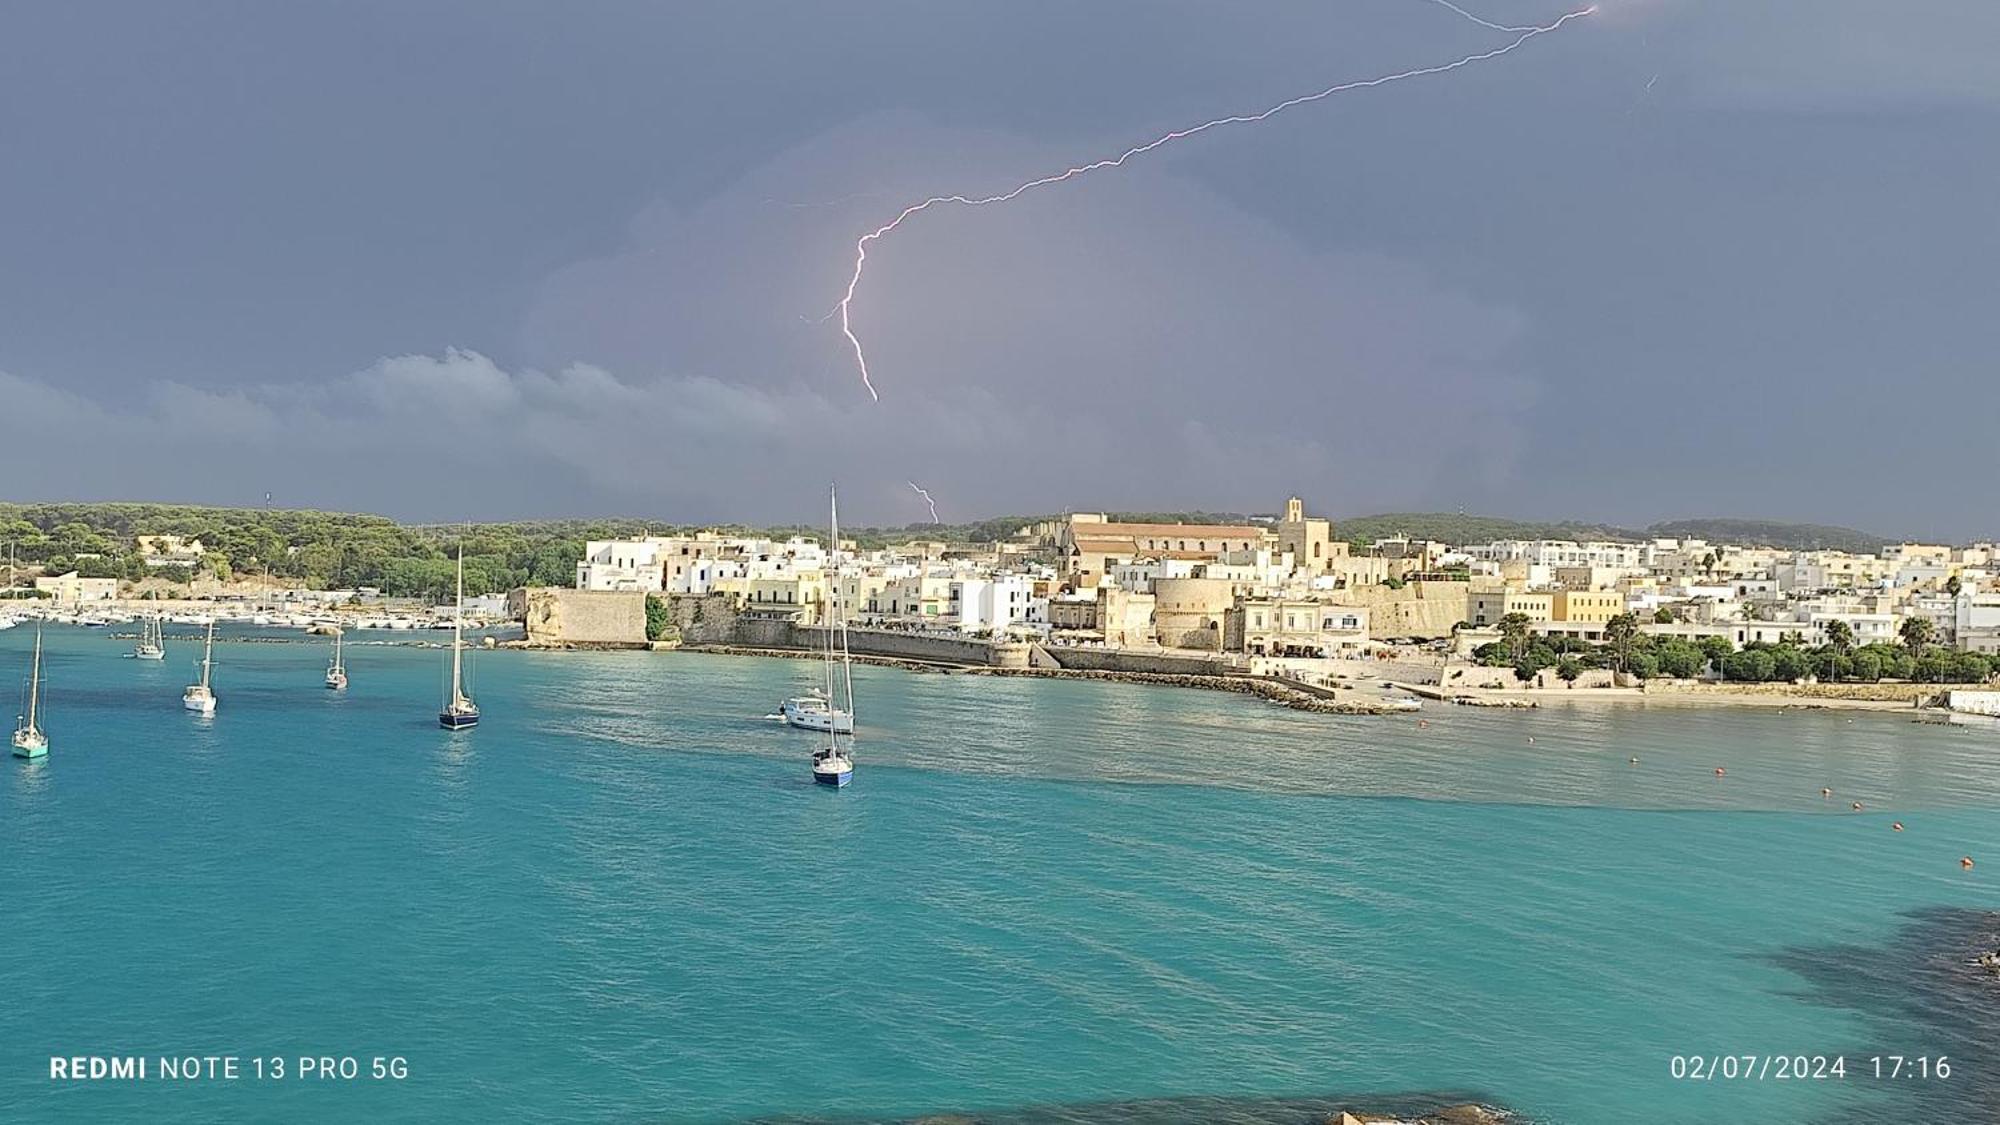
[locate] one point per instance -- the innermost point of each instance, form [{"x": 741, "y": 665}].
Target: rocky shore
[{"x": 1273, "y": 690}]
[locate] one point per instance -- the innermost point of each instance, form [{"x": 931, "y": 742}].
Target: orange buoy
[
  {"x": 1966, "y": 863},
  {"x": 1896, "y": 827}
]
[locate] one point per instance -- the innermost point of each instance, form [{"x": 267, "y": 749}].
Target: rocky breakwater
[
  {"x": 1273, "y": 690},
  {"x": 812, "y": 654}
]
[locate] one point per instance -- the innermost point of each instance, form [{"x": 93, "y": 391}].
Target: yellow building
[
  {"x": 1589, "y": 606},
  {"x": 1485, "y": 608},
  {"x": 72, "y": 589}
]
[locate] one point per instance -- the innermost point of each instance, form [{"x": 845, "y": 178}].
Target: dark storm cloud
[{"x": 1691, "y": 258}]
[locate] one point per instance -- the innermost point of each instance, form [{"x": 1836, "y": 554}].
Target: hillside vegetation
[{"x": 1458, "y": 528}]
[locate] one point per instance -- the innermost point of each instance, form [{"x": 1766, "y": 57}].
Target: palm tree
[
  {"x": 1952, "y": 585},
  {"x": 1514, "y": 631},
  {"x": 1917, "y": 634},
  {"x": 1840, "y": 635},
  {"x": 1619, "y": 633}
]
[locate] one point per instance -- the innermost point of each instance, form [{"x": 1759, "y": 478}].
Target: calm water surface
[{"x": 621, "y": 898}]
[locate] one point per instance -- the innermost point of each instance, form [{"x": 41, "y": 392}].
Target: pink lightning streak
[{"x": 845, "y": 307}]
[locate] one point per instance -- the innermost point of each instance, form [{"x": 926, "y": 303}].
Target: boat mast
[
  {"x": 207, "y": 650},
  {"x": 35, "y": 680},
  {"x": 833, "y": 550},
  {"x": 457, "y": 628},
  {"x": 846, "y": 664}
]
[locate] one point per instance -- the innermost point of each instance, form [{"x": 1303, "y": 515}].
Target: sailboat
[
  {"x": 198, "y": 697},
  {"x": 831, "y": 764},
  {"x": 152, "y": 643},
  {"x": 29, "y": 741},
  {"x": 459, "y": 710},
  {"x": 336, "y": 672}
]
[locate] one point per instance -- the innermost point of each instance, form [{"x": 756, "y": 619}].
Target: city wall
[
  {"x": 1423, "y": 610},
  {"x": 555, "y": 617}
]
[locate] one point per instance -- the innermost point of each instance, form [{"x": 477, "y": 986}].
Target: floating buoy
[
  {"x": 1531, "y": 740},
  {"x": 1423, "y": 724},
  {"x": 1635, "y": 761},
  {"x": 1857, "y": 806},
  {"x": 1966, "y": 863},
  {"x": 1719, "y": 771},
  {"x": 1896, "y": 827},
  {"x": 1826, "y": 792}
]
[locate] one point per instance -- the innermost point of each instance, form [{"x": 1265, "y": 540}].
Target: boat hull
[
  {"x": 336, "y": 683},
  {"x": 205, "y": 706},
  {"x": 30, "y": 747},
  {"x": 450, "y": 720},
  {"x": 836, "y": 778},
  {"x": 149, "y": 655}
]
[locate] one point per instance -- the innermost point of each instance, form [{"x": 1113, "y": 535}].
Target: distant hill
[
  {"x": 1773, "y": 533},
  {"x": 1451, "y": 527}
]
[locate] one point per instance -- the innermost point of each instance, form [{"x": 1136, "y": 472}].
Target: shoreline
[
  {"x": 1703, "y": 696},
  {"x": 1297, "y": 699}
]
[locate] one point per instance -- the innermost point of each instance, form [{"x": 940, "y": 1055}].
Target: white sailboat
[
  {"x": 198, "y": 697},
  {"x": 831, "y": 764},
  {"x": 459, "y": 710},
  {"x": 336, "y": 672},
  {"x": 29, "y": 741},
  {"x": 152, "y": 641}
]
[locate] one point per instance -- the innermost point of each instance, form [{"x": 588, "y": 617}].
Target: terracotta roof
[{"x": 1158, "y": 530}]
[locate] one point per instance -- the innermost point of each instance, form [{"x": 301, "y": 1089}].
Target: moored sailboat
[
  {"x": 152, "y": 643},
  {"x": 336, "y": 672},
  {"x": 459, "y": 710},
  {"x": 198, "y": 697},
  {"x": 832, "y": 764},
  {"x": 29, "y": 741}
]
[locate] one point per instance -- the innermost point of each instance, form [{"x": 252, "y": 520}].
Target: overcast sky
[{"x": 499, "y": 259}]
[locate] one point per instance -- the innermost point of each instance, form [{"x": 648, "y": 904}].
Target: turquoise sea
[{"x": 620, "y": 898}]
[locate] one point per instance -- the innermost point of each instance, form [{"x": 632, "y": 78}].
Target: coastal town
[
  {"x": 1281, "y": 604},
  {"x": 1287, "y": 596}
]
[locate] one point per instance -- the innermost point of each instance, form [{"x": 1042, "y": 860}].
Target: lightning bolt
[
  {"x": 927, "y": 499},
  {"x": 846, "y": 306},
  {"x": 1482, "y": 22}
]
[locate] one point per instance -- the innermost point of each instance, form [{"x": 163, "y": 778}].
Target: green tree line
[{"x": 1625, "y": 649}]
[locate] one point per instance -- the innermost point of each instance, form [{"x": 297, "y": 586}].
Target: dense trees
[
  {"x": 327, "y": 550},
  {"x": 1646, "y": 656}
]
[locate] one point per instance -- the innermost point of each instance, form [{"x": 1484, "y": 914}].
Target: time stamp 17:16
[{"x": 1808, "y": 1068}]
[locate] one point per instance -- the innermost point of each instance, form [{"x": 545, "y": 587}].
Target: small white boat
[
  {"x": 459, "y": 711},
  {"x": 198, "y": 698},
  {"x": 152, "y": 645},
  {"x": 29, "y": 741},
  {"x": 336, "y": 672},
  {"x": 831, "y": 764},
  {"x": 811, "y": 711}
]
